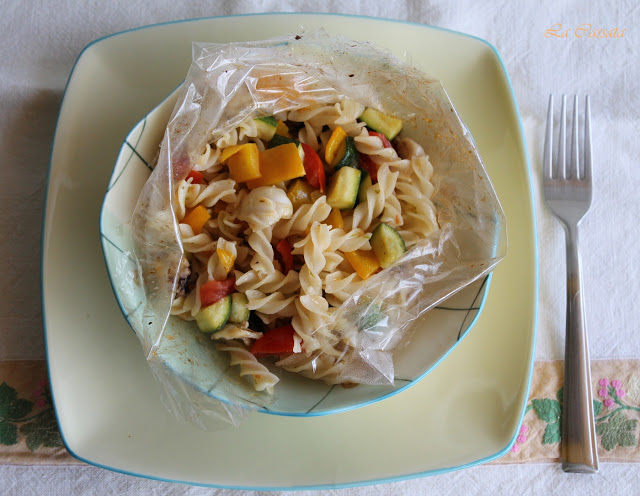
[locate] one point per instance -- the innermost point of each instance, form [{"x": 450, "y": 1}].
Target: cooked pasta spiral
[
  {"x": 268, "y": 283},
  {"x": 302, "y": 218},
  {"x": 291, "y": 256},
  {"x": 263, "y": 380}
]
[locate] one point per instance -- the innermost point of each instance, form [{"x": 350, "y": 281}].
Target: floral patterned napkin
[
  {"x": 29, "y": 432},
  {"x": 616, "y": 404}
]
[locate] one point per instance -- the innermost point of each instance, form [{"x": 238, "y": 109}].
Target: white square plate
[{"x": 466, "y": 411}]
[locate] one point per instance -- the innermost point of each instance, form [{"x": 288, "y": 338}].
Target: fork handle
[{"x": 579, "y": 442}]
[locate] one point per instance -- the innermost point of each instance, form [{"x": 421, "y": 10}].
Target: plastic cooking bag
[{"x": 305, "y": 266}]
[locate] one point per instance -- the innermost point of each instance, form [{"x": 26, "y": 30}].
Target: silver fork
[{"x": 567, "y": 191}]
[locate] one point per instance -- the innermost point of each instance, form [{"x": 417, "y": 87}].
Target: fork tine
[
  {"x": 562, "y": 142},
  {"x": 574, "y": 159},
  {"x": 548, "y": 143},
  {"x": 587, "y": 139}
]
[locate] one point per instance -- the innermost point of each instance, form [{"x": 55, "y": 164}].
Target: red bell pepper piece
[
  {"x": 313, "y": 168},
  {"x": 213, "y": 291},
  {"x": 278, "y": 341},
  {"x": 196, "y": 177},
  {"x": 283, "y": 249},
  {"x": 365, "y": 163},
  {"x": 385, "y": 142}
]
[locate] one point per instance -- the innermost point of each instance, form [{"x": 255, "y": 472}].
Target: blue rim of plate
[{"x": 383, "y": 480}]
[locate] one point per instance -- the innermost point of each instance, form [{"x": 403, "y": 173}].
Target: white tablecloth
[{"x": 41, "y": 40}]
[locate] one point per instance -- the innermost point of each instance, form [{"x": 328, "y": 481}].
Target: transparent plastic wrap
[{"x": 354, "y": 342}]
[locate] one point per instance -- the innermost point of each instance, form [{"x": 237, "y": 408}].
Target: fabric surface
[
  {"x": 41, "y": 40},
  {"x": 29, "y": 434}
]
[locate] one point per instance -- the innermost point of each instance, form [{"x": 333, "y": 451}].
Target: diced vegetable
[
  {"x": 244, "y": 164},
  {"x": 350, "y": 157},
  {"x": 228, "y": 151},
  {"x": 342, "y": 192},
  {"x": 239, "y": 308},
  {"x": 278, "y": 164},
  {"x": 283, "y": 249},
  {"x": 278, "y": 341},
  {"x": 196, "y": 218},
  {"x": 195, "y": 176},
  {"x": 365, "y": 184},
  {"x": 372, "y": 317},
  {"x": 387, "y": 244},
  {"x": 335, "y": 219},
  {"x": 266, "y": 127},
  {"x": 313, "y": 168},
  {"x": 278, "y": 140},
  {"x": 213, "y": 317},
  {"x": 283, "y": 130},
  {"x": 385, "y": 142},
  {"x": 365, "y": 314},
  {"x": 366, "y": 164},
  {"x": 300, "y": 193},
  {"x": 226, "y": 259},
  {"x": 213, "y": 291},
  {"x": 364, "y": 262},
  {"x": 386, "y": 124},
  {"x": 336, "y": 147}
]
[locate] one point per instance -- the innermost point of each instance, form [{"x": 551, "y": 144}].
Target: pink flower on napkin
[
  {"x": 603, "y": 393},
  {"x": 620, "y": 392},
  {"x": 603, "y": 382},
  {"x": 609, "y": 402},
  {"x": 616, "y": 383},
  {"x": 521, "y": 439}
]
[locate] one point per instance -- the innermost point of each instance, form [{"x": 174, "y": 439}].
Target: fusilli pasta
[{"x": 273, "y": 247}]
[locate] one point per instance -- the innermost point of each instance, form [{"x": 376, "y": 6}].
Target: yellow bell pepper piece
[
  {"x": 197, "y": 218},
  {"x": 335, "y": 219},
  {"x": 228, "y": 151},
  {"x": 300, "y": 193},
  {"x": 244, "y": 163},
  {"x": 283, "y": 130},
  {"x": 364, "y": 262},
  {"x": 336, "y": 147},
  {"x": 277, "y": 164},
  {"x": 226, "y": 259}
]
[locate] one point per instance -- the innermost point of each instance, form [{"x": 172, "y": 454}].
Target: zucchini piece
[
  {"x": 278, "y": 140},
  {"x": 386, "y": 124},
  {"x": 350, "y": 157},
  {"x": 372, "y": 317},
  {"x": 342, "y": 192},
  {"x": 266, "y": 127},
  {"x": 365, "y": 184},
  {"x": 366, "y": 315},
  {"x": 214, "y": 317},
  {"x": 387, "y": 244},
  {"x": 239, "y": 308}
]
